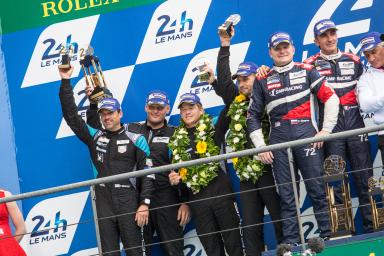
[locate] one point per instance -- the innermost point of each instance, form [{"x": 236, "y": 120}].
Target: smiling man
[
  {"x": 256, "y": 193},
  {"x": 287, "y": 94},
  {"x": 342, "y": 71},
  {"x": 113, "y": 150}
]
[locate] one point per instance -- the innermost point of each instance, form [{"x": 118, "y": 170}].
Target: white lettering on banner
[
  {"x": 326, "y": 11},
  {"x": 49, "y": 222},
  {"x": 190, "y": 82},
  {"x": 192, "y": 245},
  {"x": 117, "y": 81},
  {"x": 174, "y": 30},
  {"x": 42, "y": 67}
]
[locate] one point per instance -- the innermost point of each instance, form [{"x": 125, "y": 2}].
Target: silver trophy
[
  {"x": 203, "y": 75},
  {"x": 225, "y": 29}
]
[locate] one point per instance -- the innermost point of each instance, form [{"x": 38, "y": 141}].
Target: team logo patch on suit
[
  {"x": 347, "y": 71},
  {"x": 346, "y": 64},
  {"x": 160, "y": 140},
  {"x": 298, "y": 74},
  {"x": 122, "y": 142},
  {"x": 122, "y": 149},
  {"x": 300, "y": 80},
  {"x": 273, "y": 82}
]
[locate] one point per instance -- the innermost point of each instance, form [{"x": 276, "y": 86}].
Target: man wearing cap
[
  {"x": 342, "y": 71},
  {"x": 370, "y": 86},
  {"x": 212, "y": 212},
  {"x": 263, "y": 193},
  {"x": 286, "y": 93},
  {"x": 114, "y": 150},
  {"x": 168, "y": 221}
]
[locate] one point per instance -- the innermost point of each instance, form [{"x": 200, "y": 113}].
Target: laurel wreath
[
  {"x": 247, "y": 167},
  {"x": 196, "y": 177}
]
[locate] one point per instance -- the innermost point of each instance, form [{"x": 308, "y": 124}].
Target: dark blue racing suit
[
  {"x": 342, "y": 71},
  {"x": 287, "y": 94}
]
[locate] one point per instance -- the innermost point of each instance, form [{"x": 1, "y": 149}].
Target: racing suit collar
[
  {"x": 331, "y": 56},
  {"x": 150, "y": 128},
  {"x": 285, "y": 68},
  {"x": 111, "y": 133}
]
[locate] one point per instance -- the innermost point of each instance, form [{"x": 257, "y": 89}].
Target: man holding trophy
[
  {"x": 259, "y": 180},
  {"x": 113, "y": 150}
]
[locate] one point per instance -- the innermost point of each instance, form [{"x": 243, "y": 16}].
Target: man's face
[
  {"x": 246, "y": 84},
  {"x": 375, "y": 56},
  {"x": 191, "y": 113},
  {"x": 327, "y": 41},
  {"x": 282, "y": 54},
  {"x": 156, "y": 113},
  {"x": 111, "y": 119}
]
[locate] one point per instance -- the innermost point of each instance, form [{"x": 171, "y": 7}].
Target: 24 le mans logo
[{"x": 175, "y": 30}]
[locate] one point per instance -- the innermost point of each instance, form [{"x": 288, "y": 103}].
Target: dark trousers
[
  {"x": 115, "y": 201},
  {"x": 355, "y": 149},
  {"x": 215, "y": 215},
  {"x": 310, "y": 163},
  {"x": 164, "y": 222},
  {"x": 253, "y": 204},
  {"x": 380, "y": 143}
]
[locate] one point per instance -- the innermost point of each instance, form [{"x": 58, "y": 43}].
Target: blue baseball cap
[
  {"x": 322, "y": 26},
  {"x": 110, "y": 104},
  {"x": 370, "y": 40},
  {"x": 279, "y": 37},
  {"x": 245, "y": 69},
  {"x": 189, "y": 98},
  {"x": 157, "y": 97}
]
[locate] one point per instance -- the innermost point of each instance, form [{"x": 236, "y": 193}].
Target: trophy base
[
  {"x": 65, "y": 65},
  {"x": 341, "y": 234}
]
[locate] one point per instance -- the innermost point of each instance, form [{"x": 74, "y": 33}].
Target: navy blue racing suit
[
  {"x": 342, "y": 71},
  {"x": 287, "y": 94},
  {"x": 263, "y": 194}
]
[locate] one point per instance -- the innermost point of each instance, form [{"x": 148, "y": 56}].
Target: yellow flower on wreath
[
  {"x": 201, "y": 147},
  {"x": 240, "y": 98},
  {"x": 183, "y": 173},
  {"x": 235, "y": 160}
]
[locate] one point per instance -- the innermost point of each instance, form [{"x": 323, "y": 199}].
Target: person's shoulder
[
  {"x": 6, "y": 192},
  {"x": 305, "y": 66},
  {"x": 351, "y": 56},
  {"x": 311, "y": 59}
]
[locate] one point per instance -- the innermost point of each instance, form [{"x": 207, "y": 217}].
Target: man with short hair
[
  {"x": 342, "y": 71},
  {"x": 286, "y": 93},
  {"x": 168, "y": 221},
  {"x": 212, "y": 211},
  {"x": 114, "y": 150},
  {"x": 370, "y": 86},
  {"x": 260, "y": 193}
]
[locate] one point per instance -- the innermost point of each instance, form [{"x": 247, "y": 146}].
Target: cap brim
[
  {"x": 110, "y": 110},
  {"x": 334, "y": 28},
  {"x": 282, "y": 41},
  {"x": 369, "y": 47}
]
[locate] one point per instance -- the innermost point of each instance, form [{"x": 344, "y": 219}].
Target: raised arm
[
  {"x": 225, "y": 86},
  {"x": 69, "y": 109}
]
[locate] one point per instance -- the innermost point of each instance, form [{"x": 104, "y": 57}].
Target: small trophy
[
  {"x": 201, "y": 65},
  {"x": 66, "y": 52},
  {"x": 93, "y": 75},
  {"x": 341, "y": 216},
  {"x": 376, "y": 188},
  {"x": 225, "y": 29}
]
